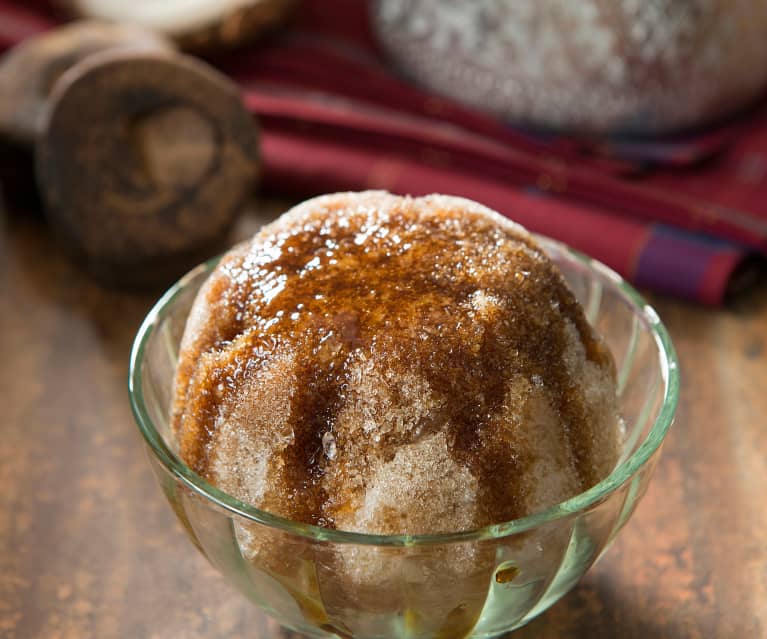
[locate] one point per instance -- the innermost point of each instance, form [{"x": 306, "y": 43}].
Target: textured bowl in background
[{"x": 586, "y": 66}]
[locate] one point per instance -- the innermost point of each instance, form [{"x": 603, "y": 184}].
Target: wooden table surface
[{"x": 89, "y": 548}]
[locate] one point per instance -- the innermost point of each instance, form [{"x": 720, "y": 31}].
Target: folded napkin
[{"x": 679, "y": 215}]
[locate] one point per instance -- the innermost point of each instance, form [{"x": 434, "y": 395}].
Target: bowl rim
[{"x": 621, "y": 474}]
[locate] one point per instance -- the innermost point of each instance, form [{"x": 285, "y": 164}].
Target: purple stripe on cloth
[{"x": 680, "y": 263}]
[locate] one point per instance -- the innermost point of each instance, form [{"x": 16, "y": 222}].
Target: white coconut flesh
[{"x": 174, "y": 17}]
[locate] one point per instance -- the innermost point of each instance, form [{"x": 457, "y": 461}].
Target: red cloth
[{"x": 334, "y": 116}]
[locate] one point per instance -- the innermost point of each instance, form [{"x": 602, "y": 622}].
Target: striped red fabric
[{"x": 678, "y": 215}]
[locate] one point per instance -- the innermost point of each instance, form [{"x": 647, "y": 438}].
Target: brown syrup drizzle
[{"x": 359, "y": 280}]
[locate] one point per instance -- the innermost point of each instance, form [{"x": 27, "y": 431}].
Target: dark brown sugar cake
[{"x": 386, "y": 364}]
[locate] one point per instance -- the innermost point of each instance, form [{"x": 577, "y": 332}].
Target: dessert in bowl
[{"x": 391, "y": 416}]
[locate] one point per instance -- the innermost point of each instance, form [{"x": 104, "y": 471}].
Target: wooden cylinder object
[
  {"x": 143, "y": 161},
  {"x": 29, "y": 70},
  {"x": 143, "y": 156},
  {"x": 27, "y": 75}
]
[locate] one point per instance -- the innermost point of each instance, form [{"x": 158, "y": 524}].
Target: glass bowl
[{"x": 478, "y": 583}]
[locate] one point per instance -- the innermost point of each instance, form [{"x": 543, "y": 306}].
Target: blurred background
[{"x": 634, "y": 131}]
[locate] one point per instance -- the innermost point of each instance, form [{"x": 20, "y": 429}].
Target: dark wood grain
[
  {"x": 144, "y": 161},
  {"x": 89, "y": 549},
  {"x": 29, "y": 71}
]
